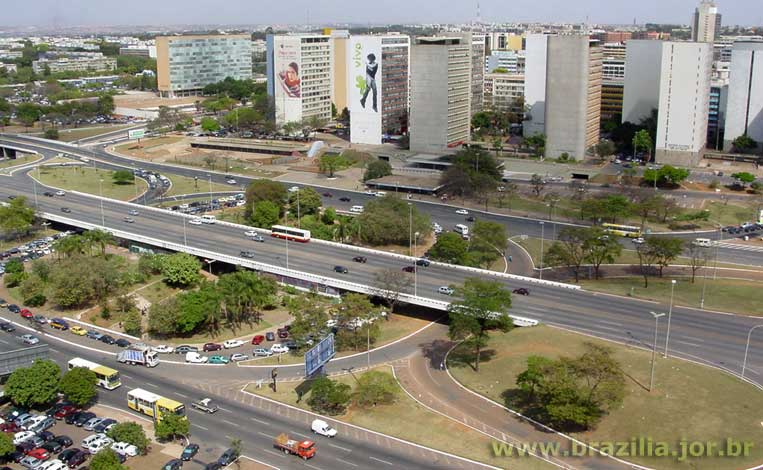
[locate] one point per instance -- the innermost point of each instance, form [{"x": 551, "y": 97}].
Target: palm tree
[
  {"x": 244, "y": 294},
  {"x": 70, "y": 246},
  {"x": 100, "y": 238}
]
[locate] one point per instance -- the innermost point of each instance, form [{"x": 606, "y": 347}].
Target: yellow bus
[
  {"x": 623, "y": 230},
  {"x": 108, "y": 378},
  {"x": 153, "y": 405}
]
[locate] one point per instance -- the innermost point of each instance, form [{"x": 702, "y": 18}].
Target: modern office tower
[
  {"x": 377, "y": 86},
  {"x": 684, "y": 102},
  {"x": 505, "y": 92},
  {"x": 535, "y": 84},
  {"x": 744, "y": 113},
  {"x": 573, "y": 96},
  {"x": 706, "y": 23},
  {"x": 612, "y": 81},
  {"x": 441, "y": 69},
  {"x": 186, "y": 64},
  {"x": 95, "y": 62},
  {"x": 512, "y": 62},
  {"x": 478, "y": 72},
  {"x": 300, "y": 74},
  {"x": 643, "y": 62}
]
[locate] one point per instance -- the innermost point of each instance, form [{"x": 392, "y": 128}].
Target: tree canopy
[
  {"x": 35, "y": 385},
  {"x": 385, "y": 221},
  {"x": 78, "y": 384}
]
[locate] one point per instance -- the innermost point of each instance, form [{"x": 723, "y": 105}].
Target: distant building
[
  {"x": 478, "y": 72},
  {"x": 441, "y": 92},
  {"x": 512, "y": 62},
  {"x": 613, "y": 81},
  {"x": 744, "y": 114},
  {"x": 140, "y": 51},
  {"x": 186, "y": 64},
  {"x": 706, "y": 22},
  {"x": 503, "y": 41},
  {"x": 716, "y": 118},
  {"x": 300, "y": 76},
  {"x": 505, "y": 92},
  {"x": 93, "y": 63},
  {"x": 9, "y": 68},
  {"x": 613, "y": 36}
]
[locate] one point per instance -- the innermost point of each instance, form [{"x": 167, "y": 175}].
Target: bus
[
  {"x": 108, "y": 378},
  {"x": 153, "y": 405},
  {"x": 291, "y": 233},
  {"x": 623, "y": 230}
]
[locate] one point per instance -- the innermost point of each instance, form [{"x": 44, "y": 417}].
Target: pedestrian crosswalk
[{"x": 735, "y": 246}]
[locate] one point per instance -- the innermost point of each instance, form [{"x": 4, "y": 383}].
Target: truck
[
  {"x": 139, "y": 354},
  {"x": 205, "y": 405},
  {"x": 304, "y": 449}
]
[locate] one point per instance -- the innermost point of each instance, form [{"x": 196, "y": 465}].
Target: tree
[
  {"x": 16, "y": 217},
  {"x": 244, "y": 295},
  {"x": 615, "y": 207},
  {"x": 35, "y": 385},
  {"x": 744, "y": 143},
  {"x": 106, "y": 459},
  {"x": 489, "y": 242},
  {"x": 375, "y": 388},
  {"x": 171, "y": 426},
  {"x": 386, "y": 220},
  {"x": 666, "y": 176},
  {"x": 743, "y": 178},
  {"x": 647, "y": 206},
  {"x": 32, "y": 289},
  {"x": 331, "y": 162},
  {"x": 643, "y": 141},
  {"x": 601, "y": 248},
  {"x": 163, "y": 317},
  {"x": 265, "y": 190},
  {"x": 472, "y": 171},
  {"x": 209, "y": 124},
  {"x": 132, "y": 323},
  {"x": 6, "y": 444},
  {"x": 123, "y": 177},
  {"x": 647, "y": 257},
  {"x": 449, "y": 248},
  {"x": 329, "y": 216},
  {"x": 309, "y": 321},
  {"x": 570, "y": 250},
  {"x": 28, "y": 113},
  {"x": 70, "y": 246},
  {"x": 537, "y": 142},
  {"x": 665, "y": 249},
  {"x": 51, "y": 133},
  {"x": 328, "y": 396},
  {"x": 377, "y": 169},
  {"x": 132, "y": 433},
  {"x": 100, "y": 238},
  {"x": 484, "y": 306},
  {"x": 106, "y": 104},
  {"x": 306, "y": 201},
  {"x": 389, "y": 284},
  {"x": 181, "y": 269},
  {"x": 265, "y": 214},
  {"x": 698, "y": 256},
  {"x": 78, "y": 384},
  {"x": 538, "y": 184},
  {"x": 605, "y": 148}
]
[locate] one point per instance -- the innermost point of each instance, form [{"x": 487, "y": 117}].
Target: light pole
[
  {"x": 410, "y": 228},
  {"x": 542, "y": 237},
  {"x": 415, "y": 271},
  {"x": 747, "y": 347},
  {"x": 185, "y": 234},
  {"x": 670, "y": 315},
  {"x": 210, "y": 190},
  {"x": 103, "y": 217},
  {"x": 654, "y": 347},
  {"x": 715, "y": 269}
]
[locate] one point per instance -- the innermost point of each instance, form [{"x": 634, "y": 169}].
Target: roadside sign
[
  {"x": 319, "y": 355},
  {"x": 136, "y": 134}
]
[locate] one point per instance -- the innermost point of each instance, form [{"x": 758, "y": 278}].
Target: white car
[
  {"x": 232, "y": 343},
  {"x": 98, "y": 446},
  {"x": 125, "y": 448},
  {"x": 445, "y": 290},
  {"x": 195, "y": 221},
  {"x": 60, "y": 193},
  {"x": 639, "y": 241},
  {"x": 258, "y": 352},
  {"x": 462, "y": 212},
  {"x": 238, "y": 357},
  {"x": 31, "y": 463},
  {"x": 251, "y": 233},
  {"x": 294, "y": 189},
  {"x": 230, "y": 181},
  {"x": 93, "y": 438},
  {"x": 370, "y": 192},
  {"x": 357, "y": 209},
  {"x": 30, "y": 339},
  {"x": 195, "y": 358},
  {"x": 279, "y": 348},
  {"x": 321, "y": 427},
  {"x": 54, "y": 464},
  {"x": 163, "y": 348},
  {"x": 380, "y": 194},
  {"x": 22, "y": 436}
]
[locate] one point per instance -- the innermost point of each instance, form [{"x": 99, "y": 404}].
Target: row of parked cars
[
  {"x": 31, "y": 250},
  {"x": 747, "y": 227}
]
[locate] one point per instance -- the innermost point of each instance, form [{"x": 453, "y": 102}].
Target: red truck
[{"x": 304, "y": 449}]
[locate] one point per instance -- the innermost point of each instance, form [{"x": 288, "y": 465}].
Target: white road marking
[
  {"x": 55, "y": 350},
  {"x": 127, "y": 376},
  {"x": 382, "y": 461},
  {"x": 690, "y": 344},
  {"x": 280, "y": 454},
  {"x": 200, "y": 427},
  {"x": 266, "y": 435},
  {"x": 301, "y": 435},
  {"x": 619, "y": 330},
  {"x": 341, "y": 448},
  {"x": 181, "y": 395},
  {"x": 152, "y": 385},
  {"x": 313, "y": 466},
  {"x": 231, "y": 423},
  {"x": 348, "y": 463},
  {"x": 223, "y": 409},
  {"x": 260, "y": 421}
]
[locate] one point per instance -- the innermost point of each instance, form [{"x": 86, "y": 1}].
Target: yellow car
[{"x": 78, "y": 330}]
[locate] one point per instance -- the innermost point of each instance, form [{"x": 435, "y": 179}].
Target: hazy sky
[{"x": 159, "y": 12}]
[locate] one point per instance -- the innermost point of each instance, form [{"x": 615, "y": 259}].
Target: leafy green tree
[
  {"x": 33, "y": 290},
  {"x": 743, "y": 178},
  {"x": 570, "y": 250},
  {"x": 6, "y": 444},
  {"x": 132, "y": 433},
  {"x": 377, "y": 169},
  {"x": 28, "y": 113},
  {"x": 106, "y": 459},
  {"x": 666, "y": 176},
  {"x": 375, "y": 388},
  {"x": 386, "y": 221},
  {"x": 171, "y": 426},
  {"x": 643, "y": 141},
  {"x": 244, "y": 295},
  {"x": 744, "y": 143},
  {"x": 329, "y": 397},
  {"x": 605, "y": 148},
  {"x": 309, "y": 319},
  {"x": 473, "y": 170},
  {"x": 537, "y": 142},
  {"x": 35, "y": 385},
  {"x": 265, "y": 215},
  {"x": 15, "y": 273},
  {"x": 449, "y": 248},
  {"x": 538, "y": 184},
  {"x": 209, "y": 124},
  {"x": 483, "y": 307},
  {"x": 106, "y": 104},
  {"x": 51, "y": 133},
  {"x": 181, "y": 269},
  {"x": 489, "y": 242},
  {"x": 71, "y": 245},
  {"x": 330, "y": 163},
  {"x": 265, "y": 190},
  {"x": 601, "y": 248},
  {"x": 163, "y": 317},
  {"x": 132, "y": 323},
  {"x": 99, "y": 238},
  {"x": 329, "y": 216},
  {"x": 78, "y": 385},
  {"x": 198, "y": 307},
  {"x": 616, "y": 206},
  {"x": 16, "y": 217},
  {"x": 123, "y": 177},
  {"x": 665, "y": 250},
  {"x": 306, "y": 201},
  {"x": 389, "y": 284}
]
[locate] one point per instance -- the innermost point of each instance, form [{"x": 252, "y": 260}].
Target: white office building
[
  {"x": 643, "y": 63},
  {"x": 744, "y": 113},
  {"x": 535, "y": 84}
]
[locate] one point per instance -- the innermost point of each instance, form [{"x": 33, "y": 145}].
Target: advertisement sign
[
  {"x": 319, "y": 355},
  {"x": 288, "y": 83},
  {"x": 136, "y": 134},
  {"x": 364, "y": 80}
]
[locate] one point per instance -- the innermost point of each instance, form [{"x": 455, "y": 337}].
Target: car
[
  {"x": 78, "y": 330},
  {"x": 409, "y": 269},
  {"x": 83, "y": 418},
  {"x": 26, "y": 313},
  {"x": 129, "y": 220},
  {"x": 13, "y": 308},
  {"x": 46, "y": 436},
  {"x": 22, "y": 436},
  {"x": 73, "y": 417},
  {"x": 294, "y": 189},
  {"x": 98, "y": 446},
  {"x": 23, "y": 418},
  {"x": 30, "y": 339},
  {"x": 185, "y": 349},
  {"x": 270, "y": 336},
  {"x": 93, "y": 438},
  {"x": 283, "y": 333},
  {"x": 279, "y": 348},
  {"x": 40, "y": 319},
  {"x": 105, "y": 425},
  {"x": 445, "y": 290},
  {"x": 423, "y": 262},
  {"x": 54, "y": 464},
  {"x": 74, "y": 459},
  {"x": 65, "y": 441},
  {"x": 174, "y": 464},
  {"x": 471, "y": 218},
  {"x": 357, "y": 209},
  {"x": 238, "y": 357},
  {"x": 247, "y": 254},
  {"x": 251, "y": 233},
  {"x": 35, "y": 440},
  {"x": 521, "y": 291},
  {"x": 48, "y": 194},
  {"x": 228, "y": 457},
  {"x": 232, "y": 343},
  {"x": 125, "y": 448},
  {"x": 345, "y": 199},
  {"x": 259, "y": 352},
  {"x": 39, "y": 453},
  {"x": 189, "y": 452},
  {"x": 462, "y": 212},
  {"x": 258, "y": 339},
  {"x": 30, "y": 462},
  {"x": 132, "y": 212},
  {"x": 65, "y": 411},
  {"x": 3, "y": 303},
  {"x": 327, "y": 194},
  {"x": 195, "y": 221},
  {"x": 93, "y": 334},
  {"x": 231, "y": 181},
  {"x": 108, "y": 339},
  {"x": 10, "y": 427},
  {"x": 7, "y": 327},
  {"x": 66, "y": 210},
  {"x": 38, "y": 426},
  {"x": 60, "y": 193},
  {"x": 53, "y": 447},
  {"x": 163, "y": 349},
  {"x": 341, "y": 269},
  {"x": 639, "y": 241},
  {"x": 92, "y": 423},
  {"x": 122, "y": 343},
  {"x": 59, "y": 324},
  {"x": 66, "y": 454},
  {"x": 218, "y": 359},
  {"x": 211, "y": 347},
  {"x": 360, "y": 259},
  {"x": 258, "y": 238}
]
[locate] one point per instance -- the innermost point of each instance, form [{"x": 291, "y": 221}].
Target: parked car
[
  {"x": 30, "y": 462},
  {"x": 59, "y": 324},
  {"x": 105, "y": 425},
  {"x": 92, "y": 423},
  {"x": 259, "y": 352},
  {"x": 228, "y": 457},
  {"x": 65, "y": 441},
  {"x": 163, "y": 349},
  {"x": 39, "y": 453},
  {"x": 212, "y": 347},
  {"x": 53, "y": 447},
  {"x": 279, "y": 348},
  {"x": 125, "y": 448},
  {"x": 65, "y": 411},
  {"x": 218, "y": 359},
  {"x": 42, "y": 424},
  {"x": 40, "y": 319},
  {"x": 93, "y": 334},
  {"x": 283, "y": 333},
  {"x": 257, "y": 339},
  {"x": 83, "y": 418},
  {"x": 122, "y": 343},
  {"x": 521, "y": 291},
  {"x": 174, "y": 464},
  {"x": 189, "y": 452},
  {"x": 22, "y": 436},
  {"x": 78, "y": 330},
  {"x": 13, "y": 308},
  {"x": 25, "y": 313},
  {"x": 423, "y": 262},
  {"x": 108, "y": 339},
  {"x": 184, "y": 349},
  {"x": 238, "y": 357},
  {"x": 270, "y": 336},
  {"x": 75, "y": 458},
  {"x": 232, "y": 343}
]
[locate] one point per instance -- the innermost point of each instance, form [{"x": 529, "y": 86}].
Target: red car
[
  {"x": 212, "y": 347},
  {"x": 65, "y": 411},
  {"x": 25, "y": 313},
  {"x": 283, "y": 333},
  {"x": 9, "y": 427},
  {"x": 258, "y": 339},
  {"x": 39, "y": 453}
]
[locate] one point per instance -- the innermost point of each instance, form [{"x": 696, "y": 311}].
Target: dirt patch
[{"x": 151, "y": 100}]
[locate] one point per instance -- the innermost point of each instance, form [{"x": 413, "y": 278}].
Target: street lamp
[
  {"x": 747, "y": 347},
  {"x": 210, "y": 190},
  {"x": 542, "y": 237},
  {"x": 103, "y": 217},
  {"x": 415, "y": 271},
  {"x": 654, "y": 347},
  {"x": 670, "y": 315}
]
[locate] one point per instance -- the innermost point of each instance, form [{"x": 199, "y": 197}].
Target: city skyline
[{"x": 52, "y": 13}]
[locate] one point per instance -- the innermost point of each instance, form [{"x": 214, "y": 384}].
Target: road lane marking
[
  {"x": 690, "y": 344},
  {"x": 152, "y": 385},
  {"x": 313, "y": 466},
  {"x": 348, "y": 463},
  {"x": 223, "y": 409},
  {"x": 280, "y": 454},
  {"x": 619, "y": 330},
  {"x": 382, "y": 461},
  {"x": 260, "y": 421},
  {"x": 127, "y": 376},
  {"x": 55, "y": 350},
  {"x": 231, "y": 423},
  {"x": 199, "y": 426},
  {"x": 266, "y": 435},
  {"x": 340, "y": 447},
  {"x": 181, "y": 395},
  {"x": 300, "y": 434}
]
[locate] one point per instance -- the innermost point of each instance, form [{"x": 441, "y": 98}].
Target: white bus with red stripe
[{"x": 291, "y": 233}]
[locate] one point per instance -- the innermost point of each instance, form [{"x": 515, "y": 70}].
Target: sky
[{"x": 63, "y": 13}]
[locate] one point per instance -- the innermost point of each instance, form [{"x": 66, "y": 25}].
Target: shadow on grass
[
  {"x": 464, "y": 356},
  {"x": 533, "y": 413}
]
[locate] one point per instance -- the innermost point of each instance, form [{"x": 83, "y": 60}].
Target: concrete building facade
[
  {"x": 744, "y": 114},
  {"x": 478, "y": 72},
  {"x": 186, "y": 64},
  {"x": 94, "y": 63},
  {"x": 512, "y": 62},
  {"x": 504, "y": 91},
  {"x": 535, "y": 84},
  {"x": 643, "y": 69},
  {"x": 706, "y": 22},
  {"x": 441, "y": 91}
]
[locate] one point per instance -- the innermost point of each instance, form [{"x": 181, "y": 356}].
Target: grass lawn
[
  {"x": 725, "y": 295},
  {"x": 70, "y": 135},
  {"x": 186, "y": 185},
  {"x": 689, "y": 401},
  {"x": 8, "y": 244},
  {"x": 19, "y": 161},
  {"x": 236, "y": 166},
  {"x": 155, "y": 290},
  {"x": 421, "y": 425},
  {"x": 730, "y": 214},
  {"x": 86, "y": 180}
]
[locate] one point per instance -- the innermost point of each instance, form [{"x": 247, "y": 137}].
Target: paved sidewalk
[{"x": 429, "y": 384}]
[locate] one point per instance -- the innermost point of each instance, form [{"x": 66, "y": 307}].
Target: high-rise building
[
  {"x": 744, "y": 114},
  {"x": 441, "y": 91},
  {"x": 706, "y": 22},
  {"x": 300, "y": 76},
  {"x": 612, "y": 81},
  {"x": 535, "y": 84},
  {"x": 376, "y": 77},
  {"x": 643, "y": 62},
  {"x": 186, "y": 64},
  {"x": 478, "y": 72},
  {"x": 573, "y": 95},
  {"x": 505, "y": 92},
  {"x": 716, "y": 118}
]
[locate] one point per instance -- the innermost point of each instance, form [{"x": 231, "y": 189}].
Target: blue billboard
[{"x": 319, "y": 355}]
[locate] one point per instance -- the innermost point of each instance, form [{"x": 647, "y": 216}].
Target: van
[
  {"x": 208, "y": 219},
  {"x": 704, "y": 242},
  {"x": 462, "y": 229}
]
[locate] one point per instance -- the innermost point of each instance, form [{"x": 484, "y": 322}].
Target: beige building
[
  {"x": 504, "y": 92},
  {"x": 186, "y": 64},
  {"x": 339, "y": 40},
  {"x": 706, "y": 22},
  {"x": 95, "y": 63}
]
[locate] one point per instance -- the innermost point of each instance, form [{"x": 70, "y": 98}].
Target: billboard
[
  {"x": 364, "y": 83},
  {"x": 319, "y": 355},
  {"x": 287, "y": 66},
  {"x": 136, "y": 134}
]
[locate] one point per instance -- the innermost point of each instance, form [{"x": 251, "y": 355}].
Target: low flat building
[
  {"x": 95, "y": 63},
  {"x": 425, "y": 184}
]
